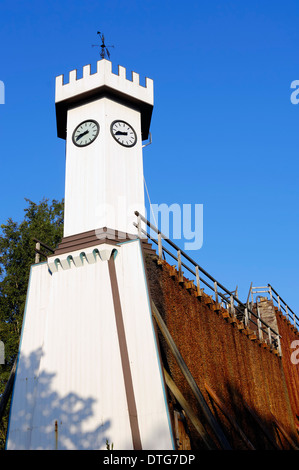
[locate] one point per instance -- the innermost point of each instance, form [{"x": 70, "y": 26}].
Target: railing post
[
  {"x": 37, "y": 255},
  {"x": 287, "y": 312},
  {"x": 160, "y": 245},
  {"x": 216, "y": 293},
  {"x": 139, "y": 225},
  {"x": 246, "y": 316},
  {"x": 197, "y": 280},
  {"x": 259, "y": 322},
  {"x": 270, "y": 292},
  {"x": 279, "y": 345},
  {"x": 232, "y": 308},
  {"x": 278, "y": 301},
  {"x": 180, "y": 266}
]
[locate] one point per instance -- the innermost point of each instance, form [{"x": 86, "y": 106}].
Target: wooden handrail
[{"x": 178, "y": 258}]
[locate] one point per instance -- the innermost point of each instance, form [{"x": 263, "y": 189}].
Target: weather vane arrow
[{"x": 104, "y": 49}]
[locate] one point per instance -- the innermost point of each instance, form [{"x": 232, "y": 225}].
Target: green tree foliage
[{"x": 43, "y": 221}]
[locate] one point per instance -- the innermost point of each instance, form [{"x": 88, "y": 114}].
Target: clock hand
[
  {"x": 121, "y": 133},
  {"x": 81, "y": 135}
]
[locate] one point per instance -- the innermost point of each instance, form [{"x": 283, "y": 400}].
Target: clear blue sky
[{"x": 225, "y": 133}]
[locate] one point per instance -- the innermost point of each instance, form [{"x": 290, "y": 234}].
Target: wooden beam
[
  {"x": 231, "y": 419},
  {"x": 188, "y": 376},
  {"x": 8, "y": 389},
  {"x": 189, "y": 412},
  {"x": 181, "y": 436}
]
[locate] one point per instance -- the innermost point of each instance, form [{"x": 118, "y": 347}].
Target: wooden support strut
[
  {"x": 231, "y": 419},
  {"x": 189, "y": 412},
  {"x": 188, "y": 376},
  {"x": 8, "y": 390}
]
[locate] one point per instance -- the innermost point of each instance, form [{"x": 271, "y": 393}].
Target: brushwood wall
[
  {"x": 290, "y": 360},
  {"x": 246, "y": 375}
]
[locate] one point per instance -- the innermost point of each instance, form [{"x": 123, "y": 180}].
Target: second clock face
[
  {"x": 85, "y": 133},
  {"x": 123, "y": 133}
]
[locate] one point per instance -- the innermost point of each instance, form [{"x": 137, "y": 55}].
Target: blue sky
[{"x": 225, "y": 133}]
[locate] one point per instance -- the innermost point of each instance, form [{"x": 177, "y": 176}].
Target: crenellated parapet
[
  {"x": 104, "y": 77},
  {"x": 102, "y": 82}
]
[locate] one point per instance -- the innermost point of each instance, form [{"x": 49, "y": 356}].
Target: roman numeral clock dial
[
  {"x": 123, "y": 133},
  {"x": 85, "y": 133}
]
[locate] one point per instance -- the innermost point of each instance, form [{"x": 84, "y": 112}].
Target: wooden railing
[
  {"x": 275, "y": 297},
  {"x": 39, "y": 252},
  {"x": 228, "y": 299}
]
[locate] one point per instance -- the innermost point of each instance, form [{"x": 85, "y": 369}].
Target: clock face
[
  {"x": 123, "y": 133},
  {"x": 85, "y": 133}
]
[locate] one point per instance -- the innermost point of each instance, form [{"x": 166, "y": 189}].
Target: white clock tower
[
  {"x": 104, "y": 117},
  {"x": 88, "y": 369}
]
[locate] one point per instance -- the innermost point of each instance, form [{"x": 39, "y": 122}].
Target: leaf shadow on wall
[{"x": 46, "y": 419}]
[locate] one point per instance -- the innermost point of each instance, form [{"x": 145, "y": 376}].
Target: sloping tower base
[{"x": 88, "y": 371}]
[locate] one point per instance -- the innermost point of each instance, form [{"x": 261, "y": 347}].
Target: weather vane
[{"x": 104, "y": 49}]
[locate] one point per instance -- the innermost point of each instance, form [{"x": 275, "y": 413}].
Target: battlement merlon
[{"x": 103, "y": 82}]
